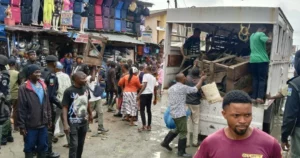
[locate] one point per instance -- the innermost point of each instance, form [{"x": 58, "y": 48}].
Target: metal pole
[
  {"x": 175, "y": 1},
  {"x": 8, "y": 47}
]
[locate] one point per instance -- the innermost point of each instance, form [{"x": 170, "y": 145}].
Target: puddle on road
[{"x": 156, "y": 155}]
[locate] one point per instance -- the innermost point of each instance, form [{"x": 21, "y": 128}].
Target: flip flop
[
  {"x": 148, "y": 128},
  {"x": 142, "y": 129},
  {"x": 132, "y": 125}
]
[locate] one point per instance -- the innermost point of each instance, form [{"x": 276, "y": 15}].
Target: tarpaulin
[{"x": 2, "y": 33}]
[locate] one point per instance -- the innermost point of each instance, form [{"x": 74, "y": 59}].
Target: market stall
[{"x": 122, "y": 16}]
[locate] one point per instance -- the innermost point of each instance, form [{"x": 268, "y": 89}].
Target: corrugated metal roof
[
  {"x": 157, "y": 11},
  {"x": 122, "y": 38},
  {"x": 111, "y": 37}
]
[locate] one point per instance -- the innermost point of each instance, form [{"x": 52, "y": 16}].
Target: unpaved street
[{"x": 122, "y": 141}]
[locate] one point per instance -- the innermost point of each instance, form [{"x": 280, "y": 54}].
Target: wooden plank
[
  {"x": 219, "y": 77},
  {"x": 174, "y": 60},
  {"x": 222, "y": 66},
  {"x": 211, "y": 72},
  {"x": 93, "y": 60},
  {"x": 179, "y": 36},
  {"x": 224, "y": 59},
  {"x": 237, "y": 71},
  {"x": 241, "y": 84}
]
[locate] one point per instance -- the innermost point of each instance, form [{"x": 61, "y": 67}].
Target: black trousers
[
  {"x": 77, "y": 137},
  {"x": 52, "y": 129},
  {"x": 145, "y": 102},
  {"x": 259, "y": 73},
  {"x": 110, "y": 96}
]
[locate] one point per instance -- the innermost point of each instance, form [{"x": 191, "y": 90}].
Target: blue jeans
[
  {"x": 259, "y": 73},
  {"x": 36, "y": 140}
]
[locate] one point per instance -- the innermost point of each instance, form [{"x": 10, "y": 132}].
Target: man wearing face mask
[{"x": 51, "y": 81}]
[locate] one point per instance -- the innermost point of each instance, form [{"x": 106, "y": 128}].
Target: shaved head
[
  {"x": 79, "y": 78},
  {"x": 180, "y": 78}
]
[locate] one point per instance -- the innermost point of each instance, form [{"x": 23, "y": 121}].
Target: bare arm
[
  {"x": 90, "y": 112},
  {"x": 277, "y": 96},
  {"x": 200, "y": 83},
  {"x": 93, "y": 75},
  {"x": 142, "y": 89},
  {"x": 65, "y": 119},
  {"x": 182, "y": 51},
  {"x": 270, "y": 37},
  {"x": 155, "y": 94}
]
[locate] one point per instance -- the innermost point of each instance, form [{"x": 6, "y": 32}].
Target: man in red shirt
[{"x": 238, "y": 139}]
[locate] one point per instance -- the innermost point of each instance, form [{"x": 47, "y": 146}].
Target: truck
[{"x": 225, "y": 39}]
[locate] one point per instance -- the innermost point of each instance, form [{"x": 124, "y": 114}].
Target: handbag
[{"x": 98, "y": 91}]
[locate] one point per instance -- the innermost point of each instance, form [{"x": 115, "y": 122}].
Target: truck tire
[
  {"x": 269, "y": 119},
  {"x": 270, "y": 114}
]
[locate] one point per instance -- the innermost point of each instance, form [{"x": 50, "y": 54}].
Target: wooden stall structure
[
  {"x": 93, "y": 49},
  {"x": 229, "y": 73}
]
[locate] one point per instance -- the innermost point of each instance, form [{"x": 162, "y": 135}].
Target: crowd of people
[{"x": 44, "y": 97}]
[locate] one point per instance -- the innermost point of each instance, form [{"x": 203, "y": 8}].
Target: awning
[
  {"x": 110, "y": 37},
  {"x": 122, "y": 38},
  {"x": 2, "y": 33}
]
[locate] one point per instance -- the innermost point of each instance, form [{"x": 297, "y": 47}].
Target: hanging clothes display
[
  {"x": 48, "y": 10},
  {"x": 36, "y": 4},
  {"x": 56, "y": 14},
  {"x": 66, "y": 15}
]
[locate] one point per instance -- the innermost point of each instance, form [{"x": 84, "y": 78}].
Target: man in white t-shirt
[
  {"x": 145, "y": 96},
  {"x": 64, "y": 82},
  {"x": 96, "y": 103}
]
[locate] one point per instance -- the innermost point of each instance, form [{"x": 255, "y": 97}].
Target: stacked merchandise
[
  {"x": 132, "y": 11},
  {"x": 108, "y": 14},
  {"x": 91, "y": 15},
  {"x": 120, "y": 15},
  {"x": 16, "y": 10},
  {"x": 78, "y": 9},
  {"x": 98, "y": 14},
  {"x": 3, "y": 6},
  {"x": 26, "y": 11},
  {"x": 139, "y": 19}
]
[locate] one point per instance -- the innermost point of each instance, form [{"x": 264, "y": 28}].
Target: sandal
[
  {"x": 132, "y": 124},
  {"x": 142, "y": 129},
  {"x": 148, "y": 128}
]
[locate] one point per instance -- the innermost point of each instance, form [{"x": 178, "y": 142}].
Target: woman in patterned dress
[{"x": 131, "y": 85}]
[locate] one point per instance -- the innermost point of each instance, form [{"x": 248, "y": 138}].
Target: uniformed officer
[
  {"x": 48, "y": 74},
  {"x": 42, "y": 57},
  {"x": 32, "y": 59},
  {"x": 291, "y": 117},
  {"x": 5, "y": 125}
]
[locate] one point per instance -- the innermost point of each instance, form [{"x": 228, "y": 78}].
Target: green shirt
[
  {"x": 14, "y": 87},
  {"x": 258, "y": 48}
]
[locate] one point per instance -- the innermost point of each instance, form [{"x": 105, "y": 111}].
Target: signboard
[
  {"x": 147, "y": 37},
  {"x": 84, "y": 38}
]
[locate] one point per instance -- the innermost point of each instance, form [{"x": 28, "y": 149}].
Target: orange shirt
[{"x": 133, "y": 86}]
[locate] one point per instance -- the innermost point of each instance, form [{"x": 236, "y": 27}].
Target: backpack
[{"x": 146, "y": 12}]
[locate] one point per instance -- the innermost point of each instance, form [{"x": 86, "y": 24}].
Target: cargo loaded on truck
[{"x": 223, "y": 54}]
